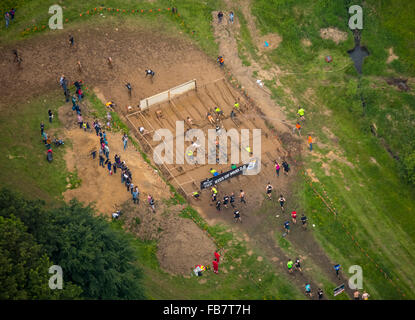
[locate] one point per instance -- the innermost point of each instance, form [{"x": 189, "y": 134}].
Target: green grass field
[{"x": 374, "y": 203}]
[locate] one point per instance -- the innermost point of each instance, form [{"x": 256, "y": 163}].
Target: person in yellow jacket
[
  {"x": 190, "y": 155},
  {"x": 213, "y": 172},
  {"x": 301, "y": 112}
]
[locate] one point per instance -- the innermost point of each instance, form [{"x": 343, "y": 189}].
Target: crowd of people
[
  {"x": 118, "y": 165},
  {"x": 104, "y": 150}
]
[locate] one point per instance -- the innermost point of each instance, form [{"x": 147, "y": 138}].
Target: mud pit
[{"x": 196, "y": 104}]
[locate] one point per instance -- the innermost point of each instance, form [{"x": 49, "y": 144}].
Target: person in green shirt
[
  {"x": 301, "y": 112},
  {"x": 290, "y": 265}
]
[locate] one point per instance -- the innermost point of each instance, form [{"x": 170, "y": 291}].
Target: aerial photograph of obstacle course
[{"x": 207, "y": 150}]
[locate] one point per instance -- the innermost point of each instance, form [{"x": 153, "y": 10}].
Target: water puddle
[{"x": 358, "y": 53}]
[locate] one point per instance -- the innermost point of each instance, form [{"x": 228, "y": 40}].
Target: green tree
[
  {"x": 92, "y": 255},
  {"x": 23, "y": 266}
]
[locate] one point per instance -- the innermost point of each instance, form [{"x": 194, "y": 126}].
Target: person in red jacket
[
  {"x": 217, "y": 256},
  {"x": 215, "y": 266}
]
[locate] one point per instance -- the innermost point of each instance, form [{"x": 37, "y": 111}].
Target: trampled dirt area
[
  {"x": 178, "y": 237},
  {"x": 173, "y": 59},
  {"x": 333, "y": 34}
]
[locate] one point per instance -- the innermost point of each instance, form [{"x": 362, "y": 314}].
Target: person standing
[
  {"x": 151, "y": 203},
  {"x": 301, "y": 112},
  {"x": 42, "y": 128},
  {"x": 231, "y": 17},
  {"x": 80, "y": 120},
  {"x": 71, "y": 41},
  {"x": 281, "y": 200},
  {"x": 286, "y": 167},
  {"x": 308, "y": 289},
  {"x": 225, "y": 201},
  {"x": 268, "y": 189},
  {"x": 232, "y": 199},
  {"x": 50, "y": 115},
  {"x": 365, "y": 295},
  {"x": 125, "y": 140},
  {"x": 337, "y": 269},
  {"x": 101, "y": 160},
  {"x": 215, "y": 266},
  {"x": 297, "y": 264},
  {"x": 290, "y": 265},
  {"x": 114, "y": 167},
  {"x": 218, "y": 203},
  {"x": 109, "y": 166},
  {"x": 7, "y": 17},
  {"x": 277, "y": 168},
  {"x": 73, "y": 99},
  {"x": 356, "y": 295},
  {"x": 237, "y": 216},
  {"x": 128, "y": 86},
  {"x": 304, "y": 221},
  {"x": 287, "y": 226},
  {"x": 124, "y": 177},
  {"x": 127, "y": 184},
  {"x": 242, "y": 196},
  {"x": 107, "y": 151},
  {"x": 310, "y": 142},
  {"x": 217, "y": 256},
  {"x": 135, "y": 196},
  {"x": 220, "y": 16},
  {"x": 294, "y": 216},
  {"x": 320, "y": 294},
  {"x": 12, "y": 13},
  {"x": 298, "y": 126}
]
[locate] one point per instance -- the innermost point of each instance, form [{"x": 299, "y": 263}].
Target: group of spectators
[{"x": 9, "y": 16}]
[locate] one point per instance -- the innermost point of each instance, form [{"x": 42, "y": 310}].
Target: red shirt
[
  {"x": 215, "y": 265},
  {"x": 294, "y": 214},
  {"x": 217, "y": 256}
]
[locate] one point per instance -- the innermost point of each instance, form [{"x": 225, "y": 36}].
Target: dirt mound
[
  {"x": 392, "y": 56},
  {"x": 306, "y": 42},
  {"x": 173, "y": 59},
  {"x": 272, "y": 39},
  {"x": 333, "y": 34},
  {"x": 400, "y": 83},
  {"x": 183, "y": 245}
]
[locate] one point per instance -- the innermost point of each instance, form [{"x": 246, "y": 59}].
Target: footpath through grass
[{"x": 374, "y": 227}]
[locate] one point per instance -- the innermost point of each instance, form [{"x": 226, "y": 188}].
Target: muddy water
[{"x": 357, "y": 55}]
